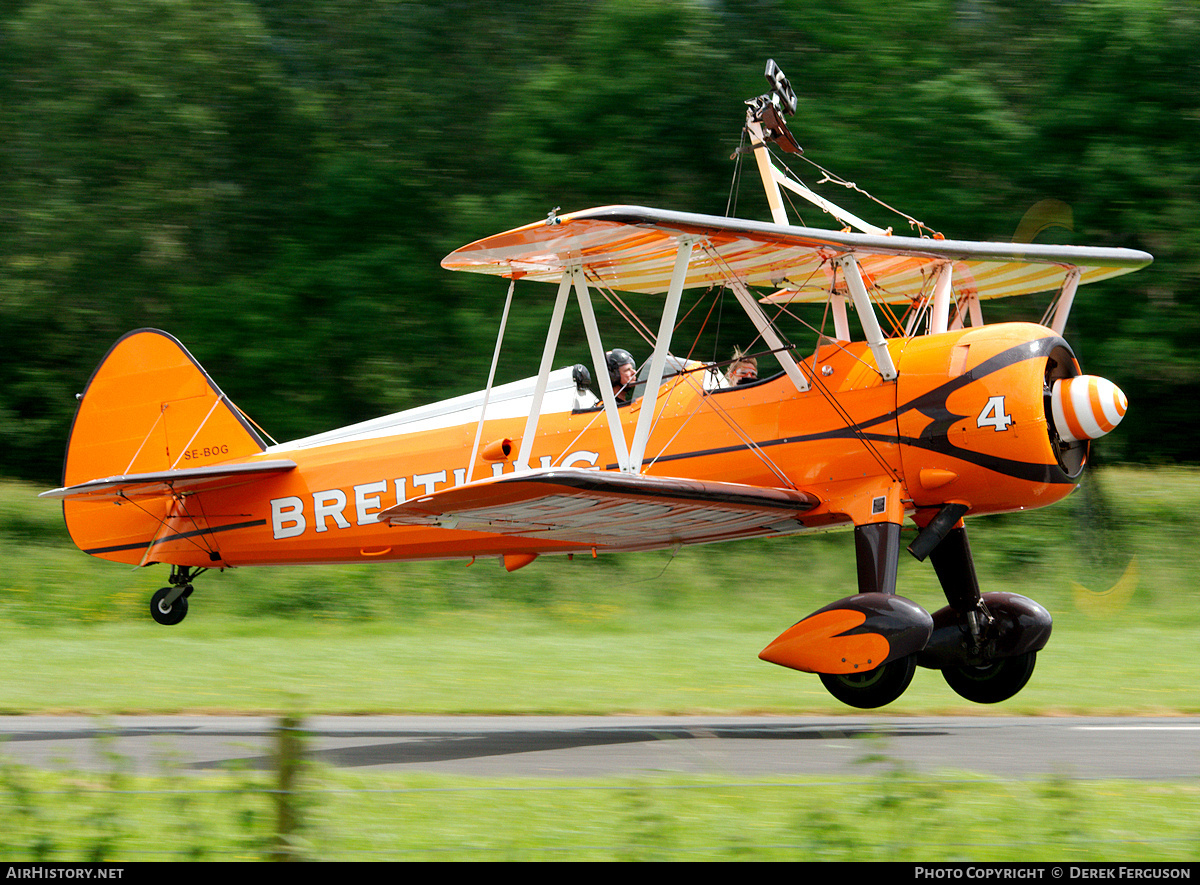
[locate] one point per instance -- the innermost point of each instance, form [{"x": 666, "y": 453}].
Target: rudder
[{"x": 150, "y": 406}]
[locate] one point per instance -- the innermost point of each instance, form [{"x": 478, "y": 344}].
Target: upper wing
[
  {"x": 595, "y": 508},
  {"x": 169, "y": 482},
  {"x": 632, "y": 248}
]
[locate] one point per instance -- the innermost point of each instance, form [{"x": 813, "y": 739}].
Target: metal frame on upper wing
[{"x": 637, "y": 249}]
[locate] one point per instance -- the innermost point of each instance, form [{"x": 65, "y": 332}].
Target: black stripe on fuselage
[
  {"x": 933, "y": 405},
  {"x": 178, "y": 536}
]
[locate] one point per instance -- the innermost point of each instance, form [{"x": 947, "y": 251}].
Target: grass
[
  {"x": 622, "y": 634},
  {"x": 889, "y": 815},
  {"x": 627, "y": 633},
  {"x": 507, "y": 663}
]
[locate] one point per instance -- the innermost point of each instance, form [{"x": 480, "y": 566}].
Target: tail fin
[
  {"x": 148, "y": 410},
  {"x": 150, "y": 407}
]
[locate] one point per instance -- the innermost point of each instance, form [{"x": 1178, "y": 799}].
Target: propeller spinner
[{"x": 1086, "y": 407}]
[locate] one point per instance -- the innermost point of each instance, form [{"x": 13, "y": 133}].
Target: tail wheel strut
[{"x": 169, "y": 605}]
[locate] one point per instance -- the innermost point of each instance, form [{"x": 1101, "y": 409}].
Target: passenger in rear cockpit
[
  {"x": 622, "y": 372},
  {"x": 743, "y": 369}
]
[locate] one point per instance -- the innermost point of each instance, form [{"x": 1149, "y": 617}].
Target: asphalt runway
[{"x": 605, "y": 746}]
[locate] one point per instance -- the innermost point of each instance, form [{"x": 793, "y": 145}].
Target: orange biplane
[{"x": 938, "y": 418}]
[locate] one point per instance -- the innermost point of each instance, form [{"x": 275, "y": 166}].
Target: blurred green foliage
[
  {"x": 275, "y": 183},
  {"x": 636, "y": 632},
  {"x": 883, "y": 812}
]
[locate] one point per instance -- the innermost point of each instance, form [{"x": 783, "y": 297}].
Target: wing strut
[
  {"x": 942, "y": 292},
  {"x": 666, "y": 326},
  {"x": 629, "y": 459},
  {"x": 767, "y": 330},
  {"x": 968, "y": 308},
  {"x": 1065, "y": 299},
  {"x": 601, "y": 364},
  {"x": 841, "y": 324},
  {"x": 866, "y": 316},
  {"x": 573, "y": 277},
  {"x": 539, "y": 390},
  {"x": 487, "y": 393}
]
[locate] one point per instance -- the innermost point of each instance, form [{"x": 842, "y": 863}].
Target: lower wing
[{"x": 608, "y": 509}]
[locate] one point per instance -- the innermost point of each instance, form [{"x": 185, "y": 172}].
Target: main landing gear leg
[
  {"x": 877, "y": 552},
  {"x": 986, "y": 645},
  {"x": 169, "y": 605},
  {"x": 955, "y": 568}
]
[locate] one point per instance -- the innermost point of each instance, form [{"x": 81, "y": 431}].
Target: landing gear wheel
[
  {"x": 874, "y": 688},
  {"x": 168, "y": 614},
  {"x": 994, "y": 682}
]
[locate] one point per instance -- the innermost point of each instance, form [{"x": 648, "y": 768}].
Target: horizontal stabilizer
[
  {"x": 606, "y": 509},
  {"x": 170, "y": 482}
]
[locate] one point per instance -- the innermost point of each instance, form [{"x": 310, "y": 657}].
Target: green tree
[
  {"x": 145, "y": 143},
  {"x": 276, "y": 181}
]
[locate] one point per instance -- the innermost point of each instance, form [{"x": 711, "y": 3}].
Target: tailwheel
[
  {"x": 994, "y": 682},
  {"x": 169, "y": 605},
  {"x": 874, "y": 688},
  {"x": 169, "y": 613}
]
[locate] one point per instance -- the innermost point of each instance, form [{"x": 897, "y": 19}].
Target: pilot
[
  {"x": 622, "y": 372},
  {"x": 743, "y": 369}
]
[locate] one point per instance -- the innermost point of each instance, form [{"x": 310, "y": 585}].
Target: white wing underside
[{"x": 611, "y": 510}]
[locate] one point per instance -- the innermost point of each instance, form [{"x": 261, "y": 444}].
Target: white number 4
[{"x": 993, "y": 415}]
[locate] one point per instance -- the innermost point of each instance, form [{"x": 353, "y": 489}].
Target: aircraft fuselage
[{"x": 966, "y": 421}]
